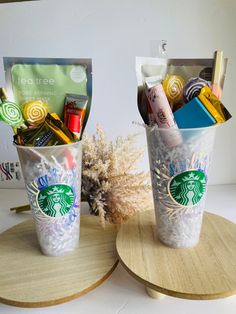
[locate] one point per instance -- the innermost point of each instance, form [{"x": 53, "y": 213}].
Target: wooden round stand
[
  {"x": 30, "y": 279},
  {"x": 207, "y": 271}
]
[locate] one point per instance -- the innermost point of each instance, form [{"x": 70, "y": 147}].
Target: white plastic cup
[
  {"x": 179, "y": 182},
  {"x": 53, "y": 181}
]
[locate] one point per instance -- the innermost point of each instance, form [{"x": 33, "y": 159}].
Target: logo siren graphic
[
  {"x": 187, "y": 188},
  {"x": 56, "y": 200}
]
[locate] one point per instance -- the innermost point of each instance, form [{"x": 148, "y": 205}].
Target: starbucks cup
[
  {"x": 53, "y": 182},
  {"x": 179, "y": 175}
]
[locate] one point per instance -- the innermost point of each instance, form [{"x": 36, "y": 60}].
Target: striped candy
[
  {"x": 34, "y": 111},
  {"x": 173, "y": 87},
  {"x": 10, "y": 113},
  {"x": 193, "y": 87}
]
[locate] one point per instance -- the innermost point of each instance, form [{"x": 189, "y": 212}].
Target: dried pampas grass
[{"x": 110, "y": 183}]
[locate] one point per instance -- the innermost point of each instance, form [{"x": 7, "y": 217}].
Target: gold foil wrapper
[
  {"x": 214, "y": 105},
  {"x": 51, "y": 132}
]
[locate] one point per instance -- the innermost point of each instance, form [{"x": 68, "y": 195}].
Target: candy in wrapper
[
  {"x": 34, "y": 111},
  {"x": 55, "y": 116},
  {"x": 55, "y": 120},
  {"x": 173, "y": 86},
  {"x": 38, "y": 137},
  {"x": 208, "y": 105},
  {"x": 51, "y": 132},
  {"x": 214, "y": 105},
  {"x": 47, "y": 138},
  {"x": 193, "y": 87},
  {"x": 24, "y": 136},
  {"x": 10, "y": 113},
  {"x": 60, "y": 129}
]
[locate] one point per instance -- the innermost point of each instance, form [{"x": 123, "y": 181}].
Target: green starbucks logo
[
  {"x": 56, "y": 200},
  {"x": 187, "y": 188}
]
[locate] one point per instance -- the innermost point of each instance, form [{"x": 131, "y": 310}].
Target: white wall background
[{"x": 112, "y": 33}]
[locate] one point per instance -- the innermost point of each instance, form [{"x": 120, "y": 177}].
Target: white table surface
[{"x": 121, "y": 294}]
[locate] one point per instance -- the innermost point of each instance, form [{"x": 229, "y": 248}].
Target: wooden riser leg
[{"x": 154, "y": 294}]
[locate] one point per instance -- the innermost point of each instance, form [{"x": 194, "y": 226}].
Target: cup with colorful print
[
  {"x": 179, "y": 183},
  {"x": 53, "y": 182}
]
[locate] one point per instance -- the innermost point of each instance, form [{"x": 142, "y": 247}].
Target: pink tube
[{"x": 163, "y": 114}]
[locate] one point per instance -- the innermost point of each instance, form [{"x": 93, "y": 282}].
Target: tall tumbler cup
[
  {"x": 53, "y": 181},
  {"x": 179, "y": 163}
]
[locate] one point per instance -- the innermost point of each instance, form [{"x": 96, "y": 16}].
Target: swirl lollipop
[
  {"x": 10, "y": 113},
  {"x": 193, "y": 87},
  {"x": 173, "y": 87},
  {"x": 34, "y": 112}
]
